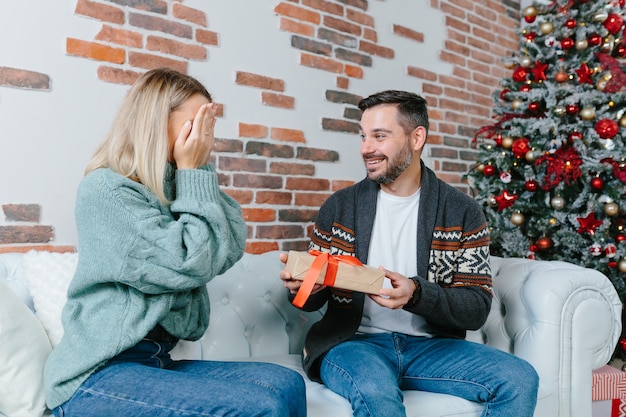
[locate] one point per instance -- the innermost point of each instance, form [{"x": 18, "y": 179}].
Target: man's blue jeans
[
  {"x": 372, "y": 370},
  {"x": 145, "y": 382}
]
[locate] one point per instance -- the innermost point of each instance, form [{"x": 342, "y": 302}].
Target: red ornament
[
  {"x": 584, "y": 74},
  {"x": 539, "y": 71},
  {"x": 534, "y": 107},
  {"x": 544, "y": 243},
  {"x": 525, "y": 88},
  {"x": 530, "y": 36},
  {"x": 503, "y": 93},
  {"x": 567, "y": 43},
  {"x": 531, "y": 185},
  {"x": 597, "y": 183},
  {"x": 607, "y": 128},
  {"x": 574, "y": 136},
  {"x": 620, "y": 238},
  {"x": 530, "y": 19},
  {"x": 588, "y": 224},
  {"x": 612, "y": 264},
  {"x": 572, "y": 109},
  {"x": 489, "y": 170},
  {"x": 533, "y": 248},
  {"x": 613, "y": 23},
  {"x": 610, "y": 250},
  {"x": 505, "y": 200},
  {"x": 520, "y": 74},
  {"x": 595, "y": 39},
  {"x": 520, "y": 147},
  {"x": 619, "y": 168},
  {"x": 563, "y": 165},
  {"x": 622, "y": 343},
  {"x": 570, "y": 23}
]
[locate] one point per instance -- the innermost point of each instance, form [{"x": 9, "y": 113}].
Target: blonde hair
[{"x": 137, "y": 144}]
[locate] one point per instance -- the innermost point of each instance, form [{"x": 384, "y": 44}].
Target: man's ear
[{"x": 418, "y": 137}]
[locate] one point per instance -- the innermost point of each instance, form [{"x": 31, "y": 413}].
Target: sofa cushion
[
  {"x": 48, "y": 275},
  {"x": 25, "y": 348}
]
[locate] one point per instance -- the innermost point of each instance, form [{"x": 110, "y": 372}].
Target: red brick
[
  {"x": 189, "y": 14},
  {"x": 292, "y": 168},
  {"x": 353, "y": 71},
  {"x": 325, "y": 6},
  {"x": 207, "y": 37},
  {"x": 259, "y": 81},
  {"x": 261, "y": 247},
  {"x": 274, "y": 197},
  {"x": 277, "y": 100},
  {"x": 160, "y": 24},
  {"x": 173, "y": 47},
  {"x": 120, "y": 36},
  {"x": 325, "y": 64},
  {"x": 149, "y": 61},
  {"x": 117, "y": 76},
  {"x": 279, "y": 232},
  {"x": 103, "y": 12},
  {"x": 408, "y": 33},
  {"x": 259, "y": 214},
  {"x": 242, "y": 164},
  {"x": 337, "y": 185},
  {"x": 311, "y": 199},
  {"x": 13, "y": 77},
  {"x": 298, "y": 13},
  {"x": 300, "y": 28},
  {"x": 241, "y": 196},
  {"x": 252, "y": 131},
  {"x": 26, "y": 234},
  {"x": 22, "y": 212},
  {"x": 310, "y": 184},
  {"x": 290, "y": 135},
  {"x": 43, "y": 248},
  {"x": 95, "y": 51},
  {"x": 360, "y": 17}
]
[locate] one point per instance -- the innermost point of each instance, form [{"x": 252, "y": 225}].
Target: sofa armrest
[{"x": 563, "y": 319}]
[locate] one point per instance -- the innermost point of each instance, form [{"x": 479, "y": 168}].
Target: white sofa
[{"x": 563, "y": 319}]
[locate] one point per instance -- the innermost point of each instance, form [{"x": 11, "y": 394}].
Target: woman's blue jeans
[
  {"x": 372, "y": 370},
  {"x": 145, "y": 382}
]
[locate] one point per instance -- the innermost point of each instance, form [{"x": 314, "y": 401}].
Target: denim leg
[
  {"x": 362, "y": 371},
  {"x": 506, "y": 384},
  {"x": 152, "y": 385}
]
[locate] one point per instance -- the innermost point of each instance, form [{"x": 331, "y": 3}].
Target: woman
[{"x": 153, "y": 229}]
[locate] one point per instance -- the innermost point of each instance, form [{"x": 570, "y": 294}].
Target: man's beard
[{"x": 396, "y": 167}]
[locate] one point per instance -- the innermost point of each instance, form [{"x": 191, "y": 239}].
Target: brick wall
[{"x": 271, "y": 170}]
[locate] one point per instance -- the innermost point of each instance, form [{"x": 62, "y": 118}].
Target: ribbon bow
[{"x": 321, "y": 259}]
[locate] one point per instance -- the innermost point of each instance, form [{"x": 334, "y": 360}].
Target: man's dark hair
[{"x": 412, "y": 111}]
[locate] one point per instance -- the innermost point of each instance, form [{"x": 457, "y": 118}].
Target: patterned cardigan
[{"x": 452, "y": 263}]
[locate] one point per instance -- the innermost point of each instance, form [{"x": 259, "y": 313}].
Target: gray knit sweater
[
  {"x": 141, "y": 263},
  {"x": 452, "y": 263}
]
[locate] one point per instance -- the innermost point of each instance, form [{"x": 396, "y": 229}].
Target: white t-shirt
[{"x": 393, "y": 245}]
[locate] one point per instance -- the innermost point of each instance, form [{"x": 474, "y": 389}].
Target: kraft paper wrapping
[{"x": 362, "y": 278}]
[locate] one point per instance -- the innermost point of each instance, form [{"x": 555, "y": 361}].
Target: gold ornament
[
  {"x": 531, "y": 11},
  {"x": 531, "y": 156},
  {"x": 622, "y": 121},
  {"x": 559, "y": 111},
  {"x": 492, "y": 201},
  {"x": 622, "y": 265},
  {"x": 480, "y": 167},
  {"x": 557, "y": 203},
  {"x": 507, "y": 142},
  {"x": 600, "y": 17},
  {"x": 546, "y": 28},
  {"x": 561, "y": 76},
  {"x": 611, "y": 209},
  {"x": 587, "y": 113},
  {"x": 581, "y": 45},
  {"x": 517, "y": 218},
  {"x": 516, "y": 104},
  {"x": 525, "y": 61}
]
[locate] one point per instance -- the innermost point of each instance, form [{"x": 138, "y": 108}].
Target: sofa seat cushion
[{"x": 323, "y": 402}]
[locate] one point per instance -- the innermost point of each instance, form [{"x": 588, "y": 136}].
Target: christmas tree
[{"x": 551, "y": 171}]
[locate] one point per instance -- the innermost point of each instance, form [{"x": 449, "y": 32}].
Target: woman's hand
[{"x": 196, "y": 139}]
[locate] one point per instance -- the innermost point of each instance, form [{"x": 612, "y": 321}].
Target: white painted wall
[{"x": 46, "y": 138}]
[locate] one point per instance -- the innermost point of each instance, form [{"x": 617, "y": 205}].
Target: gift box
[
  {"x": 608, "y": 392},
  {"x": 345, "y": 272}
]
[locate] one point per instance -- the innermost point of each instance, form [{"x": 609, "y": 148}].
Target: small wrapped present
[
  {"x": 608, "y": 392},
  {"x": 345, "y": 272}
]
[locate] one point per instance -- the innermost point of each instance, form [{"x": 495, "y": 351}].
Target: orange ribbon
[{"x": 321, "y": 259}]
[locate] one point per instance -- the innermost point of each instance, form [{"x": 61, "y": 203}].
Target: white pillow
[
  {"x": 47, "y": 275},
  {"x": 24, "y": 350}
]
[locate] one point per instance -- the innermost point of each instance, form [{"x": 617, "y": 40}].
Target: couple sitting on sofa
[{"x": 154, "y": 228}]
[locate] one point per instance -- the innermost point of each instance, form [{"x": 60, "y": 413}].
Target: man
[{"x": 433, "y": 243}]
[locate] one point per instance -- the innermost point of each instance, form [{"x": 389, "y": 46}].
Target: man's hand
[
  {"x": 399, "y": 295},
  {"x": 292, "y": 284}
]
